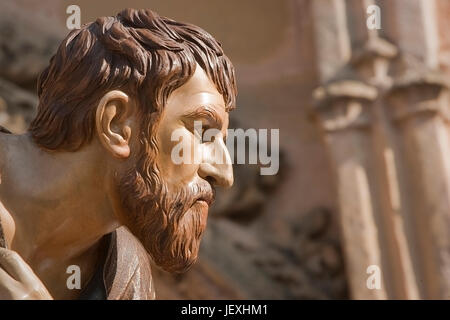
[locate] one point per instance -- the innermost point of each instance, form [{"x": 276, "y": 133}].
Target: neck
[{"x": 60, "y": 204}]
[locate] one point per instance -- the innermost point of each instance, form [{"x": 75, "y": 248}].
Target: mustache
[
  {"x": 178, "y": 203},
  {"x": 204, "y": 191}
]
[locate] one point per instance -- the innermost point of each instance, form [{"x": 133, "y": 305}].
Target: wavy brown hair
[{"x": 137, "y": 51}]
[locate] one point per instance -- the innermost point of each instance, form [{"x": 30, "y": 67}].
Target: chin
[
  {"x": 181, "y": 266},
  {"x": 175, "y": 246},
  {"x": 180, "y": 263}
]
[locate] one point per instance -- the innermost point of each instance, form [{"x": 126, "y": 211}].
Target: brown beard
[{"x": 168, "y": 223}]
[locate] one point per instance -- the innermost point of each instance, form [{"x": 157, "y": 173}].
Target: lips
[{"x": 207, "y": 197}]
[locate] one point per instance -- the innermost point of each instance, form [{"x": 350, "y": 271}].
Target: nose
[
  {"x": 221, "y": 174},
  {"x": 217, "y": 170}
]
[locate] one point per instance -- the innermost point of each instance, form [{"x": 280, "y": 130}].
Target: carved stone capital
[
  {"x": 371, "y": 61},
  {"x": 416, "y": 94},
  {"x": 375, "y": 47},
  {"x": 344, "y": 104}
]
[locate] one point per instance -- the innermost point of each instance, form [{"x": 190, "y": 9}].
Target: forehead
[{"x": 198, "y": 91}]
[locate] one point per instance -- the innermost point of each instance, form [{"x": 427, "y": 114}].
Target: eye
[
  {"x": 200, "y": 133},
  {"x": 200, "y": 129}
]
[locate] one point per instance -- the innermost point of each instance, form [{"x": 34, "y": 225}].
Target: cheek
[{"x": 183, "y": 145}]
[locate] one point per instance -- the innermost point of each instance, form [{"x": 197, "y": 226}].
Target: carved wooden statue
[{"x": 92, "y": 183}]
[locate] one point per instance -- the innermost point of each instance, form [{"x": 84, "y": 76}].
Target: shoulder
[{"x": 127, "y": 273}]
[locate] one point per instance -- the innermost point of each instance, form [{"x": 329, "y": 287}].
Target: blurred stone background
[{"x": 313, "y": 70}]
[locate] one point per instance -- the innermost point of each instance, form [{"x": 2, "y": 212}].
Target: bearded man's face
[{"x": 166, "y": 202}]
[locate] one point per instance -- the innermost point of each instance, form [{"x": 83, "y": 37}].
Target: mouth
[
  {"x": 207, "y": 200},
  {"x": 202, "y": 203},
  {"x": 208, "y": 197}
]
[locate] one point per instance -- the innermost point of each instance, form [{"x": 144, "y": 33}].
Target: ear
[{"x": 113, "y": 123}]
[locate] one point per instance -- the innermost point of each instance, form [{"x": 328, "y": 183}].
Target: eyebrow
[{"x": 208, "y": 113}]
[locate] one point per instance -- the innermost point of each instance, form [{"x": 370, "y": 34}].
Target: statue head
[{"x": 125, "y": 83}]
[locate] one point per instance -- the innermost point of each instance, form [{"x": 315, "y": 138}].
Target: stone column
[
  {"x": 345, "y": 117},
  {"x": 419, "y": 112},
  {"x": 383, "y": 109},
  {"x": 417, "y": 104},
  {"x": 343, "y": 108}
]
